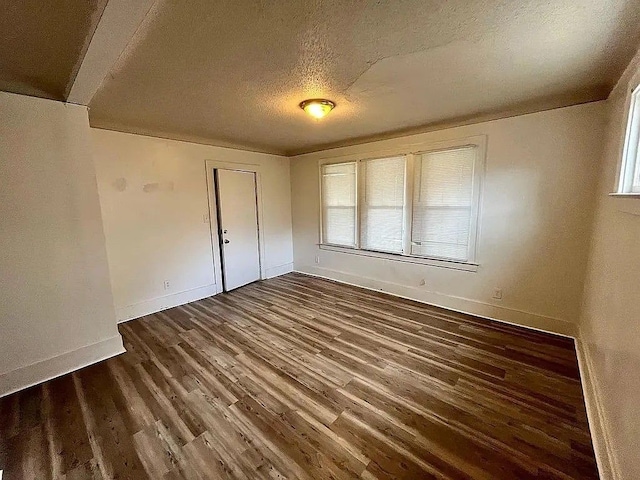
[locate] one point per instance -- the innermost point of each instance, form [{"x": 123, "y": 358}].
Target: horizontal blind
[
  {"x": 381, "y": 219},
  {"x": 339, "y": 204},
  {"x": 442, "y": 205}
]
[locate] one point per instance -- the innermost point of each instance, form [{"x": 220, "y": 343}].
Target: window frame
[
  {"x": 630, "y": 159},
  {"x": 411, "y": 152}
]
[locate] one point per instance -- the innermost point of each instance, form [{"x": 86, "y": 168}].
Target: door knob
[{"x": 226, "y": 241}]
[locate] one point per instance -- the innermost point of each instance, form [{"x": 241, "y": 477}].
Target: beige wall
[
  {"x": 56, "y": 307},
  {"x": 153, "y": 194},
  {"x": 610, "y": 326},
  {"x": 536, "y": 214}
]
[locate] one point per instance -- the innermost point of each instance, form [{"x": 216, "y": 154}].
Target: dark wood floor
[{"x": 298, "y": 377}]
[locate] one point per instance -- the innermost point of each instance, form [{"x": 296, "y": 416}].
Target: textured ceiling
[
  {"x": 43, "y": 43},
  {"x": 233, "y": 72}
]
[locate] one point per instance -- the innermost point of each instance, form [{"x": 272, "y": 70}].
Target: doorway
[{"x": 235, "y": 227}]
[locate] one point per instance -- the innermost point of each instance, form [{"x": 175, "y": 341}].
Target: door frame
[{"x": 210, "y": 166}]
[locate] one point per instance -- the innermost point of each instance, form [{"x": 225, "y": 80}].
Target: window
[
  {"x": 422, "y": 204},
  {"x": 381, "y": 220},
  {"x": 443, "y": 204},
  {"x": 339, "y": 204},
  {"x": 630, "y": 171}
]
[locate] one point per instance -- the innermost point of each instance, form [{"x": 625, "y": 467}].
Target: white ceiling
[
  {"x": 233, "y": 72},
  {"x": 42, "y": 44}
]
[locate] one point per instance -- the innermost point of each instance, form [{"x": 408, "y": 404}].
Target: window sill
[
  {"x": 625, "y": 195},
  {"x": 627, "y": 202},
  {"x": 433, "y": 262}
]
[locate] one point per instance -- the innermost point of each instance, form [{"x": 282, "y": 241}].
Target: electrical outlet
[
  {"x": 167, "y": 285},
  {"x": 318, "y": 259},
  {"x": 497, "y": 293}
]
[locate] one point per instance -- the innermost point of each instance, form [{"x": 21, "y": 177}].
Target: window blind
[
  {"x": 442, "y": 204},
  {"x": 381, "y": 219},
  {"x": 339, "y": 204}
]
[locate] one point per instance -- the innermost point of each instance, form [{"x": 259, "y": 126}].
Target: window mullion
[{"x": 408, "y": 203}]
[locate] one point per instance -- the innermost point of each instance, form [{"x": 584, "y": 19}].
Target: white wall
[
  {"x": 56, "y": 307},
  {"x": 535, "y": 221},
  {"x": 610, "y": 327},
  {"x": 153, "y": 194}
]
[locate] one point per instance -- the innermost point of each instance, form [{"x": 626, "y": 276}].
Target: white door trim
[{"x": 210, "y": 165}]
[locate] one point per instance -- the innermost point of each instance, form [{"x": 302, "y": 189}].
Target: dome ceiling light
[{"x": 317, "y": 107}]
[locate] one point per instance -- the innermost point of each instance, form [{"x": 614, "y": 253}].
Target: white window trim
[
  {"x": 411, "y": 151},
  {"x": 630, "y": 163}
]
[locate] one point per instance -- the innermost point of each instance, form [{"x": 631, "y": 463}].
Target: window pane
[
  {"x": 442, "y": 206},
  {"x": 382, "y": 211},
  {"x": 339, "y": 204},
  {"x": 630, "y": 172},
  {"x": 635, "y": 187}
]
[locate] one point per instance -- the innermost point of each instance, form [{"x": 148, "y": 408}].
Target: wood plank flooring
[{"x": 298, "y": 377}]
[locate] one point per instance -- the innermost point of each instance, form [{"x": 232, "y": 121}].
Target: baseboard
[
  {"x": 600, "y": 431},
  {"x": 279, "y": 270},
  {"x": 147, "y": 307},
  {"x": 458, "y": 304},
  {"x": 29, "y": 375}
]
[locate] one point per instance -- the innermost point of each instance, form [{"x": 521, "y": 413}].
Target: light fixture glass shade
[{"x": 317, "y": 107}]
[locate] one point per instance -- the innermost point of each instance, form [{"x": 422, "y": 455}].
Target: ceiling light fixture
[{"x": 317, "y": 107}]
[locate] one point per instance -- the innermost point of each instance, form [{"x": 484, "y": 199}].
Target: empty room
[{"x": 320, "y": 239}]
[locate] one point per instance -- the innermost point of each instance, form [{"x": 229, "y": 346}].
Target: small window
[
  {"x": 382, "y": 217},
  {"x": 630, "y": 171},
  {"x": 339, "y": 204},
  {"x": 443, "y": 204},
  {"x": 422, "y": 204}
]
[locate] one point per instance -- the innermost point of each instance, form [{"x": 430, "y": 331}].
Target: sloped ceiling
[
  {"x": 43, "y": 43},
  {"x": 232, "y": 72}
]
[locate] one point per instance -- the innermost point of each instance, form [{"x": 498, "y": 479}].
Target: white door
[{"x": 238, "y": 217}]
